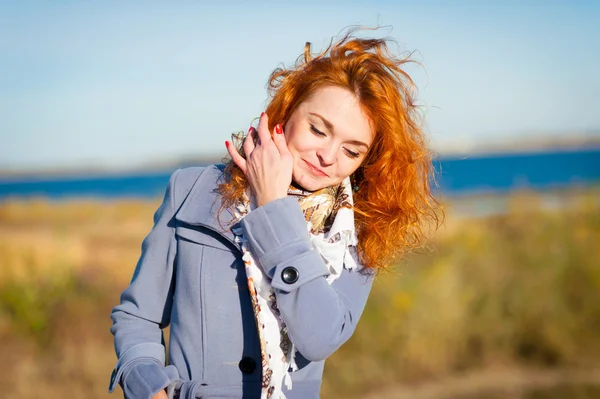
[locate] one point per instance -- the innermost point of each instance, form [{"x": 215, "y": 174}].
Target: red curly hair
[{"x": 393, "y": 206}]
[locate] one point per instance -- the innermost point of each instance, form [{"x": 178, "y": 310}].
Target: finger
[
  {"x": 249, "y": 141},
  {"x": 235, "y": 156},
  {"x": 280, "y": 142},
  {"x": 264, "y": 136}
]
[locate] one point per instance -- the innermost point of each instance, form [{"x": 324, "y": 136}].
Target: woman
[{"x": 262, "y": 267}]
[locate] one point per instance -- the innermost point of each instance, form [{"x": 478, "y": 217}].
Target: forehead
[{"x": 342, "y": 108}]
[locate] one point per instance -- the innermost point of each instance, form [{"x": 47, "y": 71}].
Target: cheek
[
  {"x": 347, "y": 167},
  {"x": 300, "y": 142},
  {"x": 292, "y": 138}
]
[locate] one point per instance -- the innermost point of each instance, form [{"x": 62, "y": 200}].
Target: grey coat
[{"x": 190, "y": 276}]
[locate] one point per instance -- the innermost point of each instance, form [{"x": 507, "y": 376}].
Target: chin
[{"x": 310, "y": 183}]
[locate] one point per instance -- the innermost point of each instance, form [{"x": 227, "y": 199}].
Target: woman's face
[{"x": 328, "y": 136}]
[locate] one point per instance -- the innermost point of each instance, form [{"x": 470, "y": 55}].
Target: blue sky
[{"x": 118, "y": 84}]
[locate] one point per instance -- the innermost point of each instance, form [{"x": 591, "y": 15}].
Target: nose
[{"x": 327, "y": 155}]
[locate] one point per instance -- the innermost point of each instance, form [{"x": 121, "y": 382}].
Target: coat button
[
  {"x": 289, "y": 275},
  {"x": 247, "y": 365}
]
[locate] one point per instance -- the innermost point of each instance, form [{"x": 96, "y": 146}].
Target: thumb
[{"x": 279, "y": 140}]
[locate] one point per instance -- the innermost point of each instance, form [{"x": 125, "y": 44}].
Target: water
[
  {"x": 503, "y": 173},
  {"x": 455, "y": 176}
]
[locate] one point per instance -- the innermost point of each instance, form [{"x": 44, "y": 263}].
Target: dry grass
[
  {"x": 519, "y": 289},
  {"x": 63, "y": 266}
]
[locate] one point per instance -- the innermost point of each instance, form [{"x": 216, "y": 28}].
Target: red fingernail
[
  {"x": 278, "y": 129},
  {"x": 262, "y": 114},
  {"x": 226, "y": 143},
  {"x": 250, "y": 130}
]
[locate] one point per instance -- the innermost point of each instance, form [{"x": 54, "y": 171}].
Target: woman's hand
[
  {"x": 162, "y": 394},
  {"x": 268, "y": 164}
]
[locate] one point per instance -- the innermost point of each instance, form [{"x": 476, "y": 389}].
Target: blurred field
[{"x": 504, "y": 306}]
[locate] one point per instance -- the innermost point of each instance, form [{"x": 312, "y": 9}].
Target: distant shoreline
[
  {"x": 87, "y": 171},
  {"x": 518, "y": 145}
]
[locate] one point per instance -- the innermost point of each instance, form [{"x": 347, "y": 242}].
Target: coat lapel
[{"x": 203, "y": 202}]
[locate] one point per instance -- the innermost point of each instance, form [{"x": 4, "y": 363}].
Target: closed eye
[
  {"x": 317, "y": 131},
  {"x": 352, "y": 154}
]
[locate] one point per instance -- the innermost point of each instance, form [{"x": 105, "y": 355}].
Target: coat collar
[{"x": 202, "y": 204}]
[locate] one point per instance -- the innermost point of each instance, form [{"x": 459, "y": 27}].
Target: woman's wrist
[{"x": 265, "y": 199}]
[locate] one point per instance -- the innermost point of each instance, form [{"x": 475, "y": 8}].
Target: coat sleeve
[
  {"x": 320, "y": 317},
  {"x": 144, "y": 310}
]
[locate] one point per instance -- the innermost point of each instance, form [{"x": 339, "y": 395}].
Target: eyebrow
[{"x": 329, "y": 126}]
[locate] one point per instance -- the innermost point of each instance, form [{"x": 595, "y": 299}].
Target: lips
[{"x": 316, "y": 171}]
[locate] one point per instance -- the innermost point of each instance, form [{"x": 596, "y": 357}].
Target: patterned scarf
[{"x": 330, "y": 223}]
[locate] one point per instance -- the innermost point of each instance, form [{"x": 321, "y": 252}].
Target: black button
[
  {"x": 289, "y": 275},
  {"x": 247, "y": 365}
]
